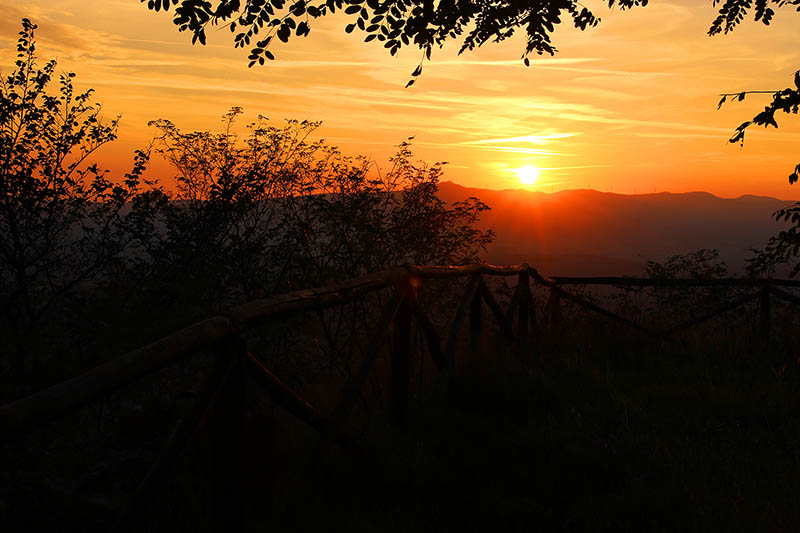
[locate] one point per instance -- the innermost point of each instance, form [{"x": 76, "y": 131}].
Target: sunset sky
[{"x": 628, "y": 106}]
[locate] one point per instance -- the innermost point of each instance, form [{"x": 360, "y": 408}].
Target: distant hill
[{"x": 587, "y": 232}]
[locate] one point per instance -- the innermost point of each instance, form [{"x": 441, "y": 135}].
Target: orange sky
[{"x": 627, "y": 106}]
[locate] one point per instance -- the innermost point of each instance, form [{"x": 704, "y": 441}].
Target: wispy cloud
[
  {"x": 307, "y": 63},
  {"x": 642, "y": 75},
  {"x": 630, "y": 122},
  {"x": 53, "y": 32},
  {"x": 574, "y": 167},
  {"x": 136, "y": 63},
  {"x": 520, "y": 150},
  {"x": 685, "y": 136},
  {"x": 535, "y": 63},
  {"x": 494, "y": 148},
  {"x": 531, "y": 139},
  {"x": 626, "y": 83}
]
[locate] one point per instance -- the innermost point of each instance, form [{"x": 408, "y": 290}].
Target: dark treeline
[{"x": 91, "y": 265}]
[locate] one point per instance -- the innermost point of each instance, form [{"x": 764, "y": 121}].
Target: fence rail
[{"x": 222, "y": 403}]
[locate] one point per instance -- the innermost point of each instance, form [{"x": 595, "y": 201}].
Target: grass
[
  {"x": 655, "y": 441},
  {"x": 597, "y": 432}
]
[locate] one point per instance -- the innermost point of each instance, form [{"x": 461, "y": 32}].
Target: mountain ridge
[
  {"x": 588, "y": 232},
  {"x": 451, "y": 187}
]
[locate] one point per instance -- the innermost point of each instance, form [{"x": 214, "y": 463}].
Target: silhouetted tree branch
[
  {"x": 63, "y": 223},
  {"x": 420, "y": 23},
  {"x": 786, "y": 100},
  {"x": 785, "y": 246},
  {"x": 251, "y": 215}
]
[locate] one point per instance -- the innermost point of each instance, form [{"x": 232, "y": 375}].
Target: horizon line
[{"x": 584, "y": 189}]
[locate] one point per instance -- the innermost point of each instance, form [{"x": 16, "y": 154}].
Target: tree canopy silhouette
[
  {"x": 420, "y": 23},
  {"x": 62, "y": 220},
  {"x": 786, "y": 100},
  {"x": 85, "y": 255}
]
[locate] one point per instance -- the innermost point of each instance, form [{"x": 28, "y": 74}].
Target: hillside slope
[{"x": 583, "y": 232}]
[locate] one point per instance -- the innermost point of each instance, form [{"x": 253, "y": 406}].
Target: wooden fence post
[
  {"x": 524, "y": 289},
  {"x": 765, "y": 316},
  {"x": 401, "y": 354},
  {"x": 229, "y": 497},
  {"x": 475, "y": 328},
  {"x": 554, "y": 310},
  {"x": 512, "y": 310},
  {"x": 532, "y": 320}
]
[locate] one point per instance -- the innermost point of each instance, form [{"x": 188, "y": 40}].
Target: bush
[
  {"x": 62, "y": 221},
  {"x": 275, "y": 211},
  {"x": 90, "y": 267}
]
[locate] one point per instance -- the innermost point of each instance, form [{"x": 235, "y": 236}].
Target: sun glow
[{"x": 527, "y": 175}]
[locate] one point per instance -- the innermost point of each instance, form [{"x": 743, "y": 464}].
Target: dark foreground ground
[{"x": 604, "y": 439}]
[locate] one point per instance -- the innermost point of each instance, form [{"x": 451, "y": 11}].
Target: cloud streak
[
  {"x": 623, "y": 98},
  {"x": 531, "y": 139}
]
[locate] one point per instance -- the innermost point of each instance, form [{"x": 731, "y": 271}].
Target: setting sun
[{"x": 527, "y": 175}]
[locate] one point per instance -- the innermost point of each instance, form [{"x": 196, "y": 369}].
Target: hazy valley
[{"x": 587, "y": 232}]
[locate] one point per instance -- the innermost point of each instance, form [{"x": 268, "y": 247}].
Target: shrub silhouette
[
  {"x": 87, "y": 262},
  {"x": 63, "y": 224}
]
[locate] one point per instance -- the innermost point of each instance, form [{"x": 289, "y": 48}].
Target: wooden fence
[{"x": 221, "y": 404}]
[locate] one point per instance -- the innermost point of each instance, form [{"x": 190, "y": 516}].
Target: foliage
[
  {"x": 786, "y": 100},
  {"x": 84, "y": 258},
  {"x": 702, "y": 264},
  {"x": 733, "y": 12},
  {"x": 398, "y": 23},
  {"x": 223, "y": 218},
  {"x": 62, "y": 222},
  {"x": 394, "y": 23},
  {"x": 275, "y": 210},
  {"x": 421, "y": 23},
  {"x": 781, "y": 249},
  {"x": 785, "y": 246},
  {"x": 674, "y": 305},
  {"x": 420, "y": 210}
]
